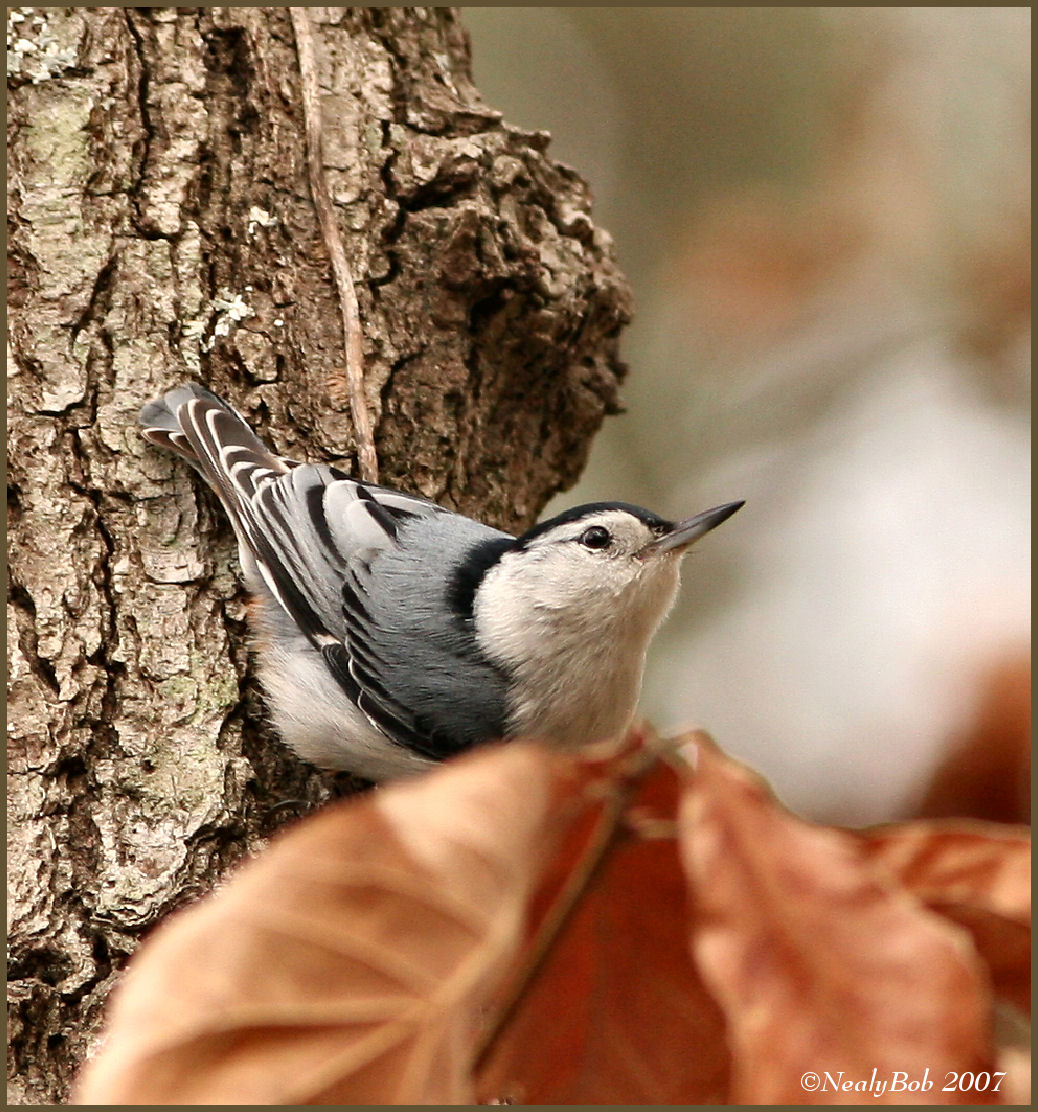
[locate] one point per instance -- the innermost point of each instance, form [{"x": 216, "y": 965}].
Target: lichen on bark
[{"x": 161, "y": 227}]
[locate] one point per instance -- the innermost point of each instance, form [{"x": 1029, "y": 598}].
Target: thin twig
[
  {"x": 609, "y": 831},
  {"x": 366, "y": 458}
]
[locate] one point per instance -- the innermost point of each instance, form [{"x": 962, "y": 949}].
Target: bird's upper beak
[{"x": 687, "y": 532}]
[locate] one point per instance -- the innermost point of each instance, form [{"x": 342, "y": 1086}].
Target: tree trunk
[{"x": 162, "y": 227}]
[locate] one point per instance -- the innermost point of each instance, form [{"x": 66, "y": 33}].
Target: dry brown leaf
[
  {"x": 618, "y": 1014},
  {"x": 352, "y": 961},
  {"x": 820, "y": 964},
  {"x": 982, "y": 864},
  {"x": 370, "y": 954},
  {"x": 979, "y": 876}
]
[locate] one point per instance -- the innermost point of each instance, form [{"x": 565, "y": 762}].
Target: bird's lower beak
[{"x": 687, "y": 532}]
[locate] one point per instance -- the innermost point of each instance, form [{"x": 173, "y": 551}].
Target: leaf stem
[{"x": 609, "y": 831}]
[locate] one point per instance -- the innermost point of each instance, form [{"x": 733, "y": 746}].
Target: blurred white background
[{"x": 825, "y": 217}]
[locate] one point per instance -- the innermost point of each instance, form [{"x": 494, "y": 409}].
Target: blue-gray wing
[
  {"x": 410, "y": 645},
  {"x": 376, "y": 570}
]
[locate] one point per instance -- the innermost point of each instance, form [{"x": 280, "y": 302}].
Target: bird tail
[{"x": 214, "y": 438}]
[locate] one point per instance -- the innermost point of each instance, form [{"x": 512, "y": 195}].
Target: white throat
[{"x": 576, "y": 650}]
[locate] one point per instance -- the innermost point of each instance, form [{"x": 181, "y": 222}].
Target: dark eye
[{"x": 595, "y": 537}]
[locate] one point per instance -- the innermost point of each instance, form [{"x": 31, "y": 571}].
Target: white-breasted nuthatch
[{"x": 391, "y": 633}]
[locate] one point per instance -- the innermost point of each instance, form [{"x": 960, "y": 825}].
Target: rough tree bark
[{"x": 162, "y": 227}]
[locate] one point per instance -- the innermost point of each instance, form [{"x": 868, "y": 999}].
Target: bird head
[{"x": 605, "y": 569}]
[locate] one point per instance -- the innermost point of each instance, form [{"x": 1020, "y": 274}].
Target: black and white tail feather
[{"x": 308, "y": 536}]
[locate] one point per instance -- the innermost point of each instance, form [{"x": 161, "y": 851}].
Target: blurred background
[{"x": 825, "y": 217}]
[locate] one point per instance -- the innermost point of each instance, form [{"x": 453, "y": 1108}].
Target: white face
[
  {"x": 598, "y": 566},
  {"x": 573, "y": 610}
]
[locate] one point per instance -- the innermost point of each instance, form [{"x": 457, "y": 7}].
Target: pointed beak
[{"x": 687, "y": 532}]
